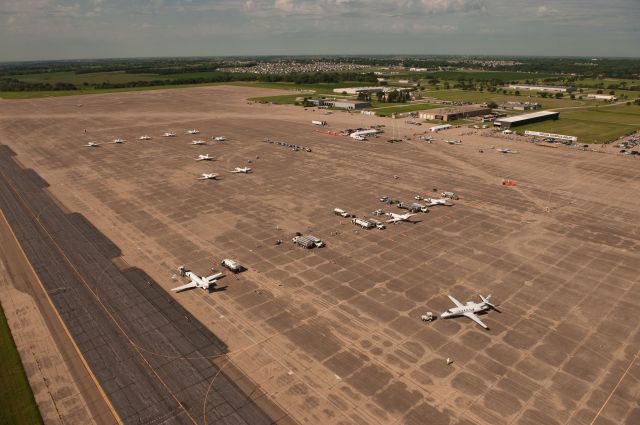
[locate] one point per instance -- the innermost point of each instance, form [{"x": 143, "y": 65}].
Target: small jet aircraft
[
  {"x": 506, "y": 150},
  {"x": 432, "y": 202},
  {"x": 245, "y": 170},
  {"x": 208, "y": 176},
  {"x": 198, "y": 142},
  {"x": 454, "y": 142},
  {"x": 205, "y": 158},
  {"x": 92, "y": 145},
  {"x": 145, "y": 137},
  {"x": 117, "y": 141},
  {"x": 397, "y": 218},
  {"x": 219, "y": 138},
  {"x": 469, "y": 309},
  {"x": 192, "y": 131},
  {"x": 204, "y": 282},
  {"x": 169, "y": 134}
]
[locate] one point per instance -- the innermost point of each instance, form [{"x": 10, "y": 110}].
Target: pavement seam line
[
  {"x": 633, "y": 360},
  {"x": 113, "y": 319},
  {"x": 64, "y": 326}
]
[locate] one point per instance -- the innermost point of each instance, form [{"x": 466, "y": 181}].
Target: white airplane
[
  {"x": 454, "y": 142},
  {"x": 208, "y": 176},
  {"x": 117, "y": 141},
  {"x": 245, "y": 170},
  {"x": 92, "y": 145},
  {"x": 198, "y": 142},
  {"x": 469, "y": 309},
  {"x": 397, "y": 218},
  {"x": 506, "y": 150},
  {"x": 205, "y": 158},
  {"x": 192, "y": 131},
  {"x": 145, "y": 137},
  {"x": 169, "y": 134},
  {"x": 204, "y": 282},
  {"x": 437, "y": 201},
  {"x": 219, "y": 138}
]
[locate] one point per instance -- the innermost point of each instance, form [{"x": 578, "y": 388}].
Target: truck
[
  {"x": 341, "y": 213},
  {"x": 308, "y": 242},
  {"x": 450, "y": 195},
  {"x": 378, "y": 224},
  {"x": 365, "y": 224},
  {"x": 413, "y": 207},
  {"x": 318, "y": 122},
  {"x": 232, "y": 265}
]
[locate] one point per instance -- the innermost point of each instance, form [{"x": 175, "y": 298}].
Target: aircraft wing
[
  {"x": 475, "y": 319},
  {"x": 456, "y": 302},
  {"x": 213, "y": 277},
  {"x": 189, "y": 285}
]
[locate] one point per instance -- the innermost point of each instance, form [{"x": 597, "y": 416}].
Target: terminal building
[
  {"x": 455, "y": 113},
  {"x": 523, "y": 119}
]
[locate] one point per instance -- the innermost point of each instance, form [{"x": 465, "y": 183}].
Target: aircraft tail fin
[{"x": 487, "y": 299}]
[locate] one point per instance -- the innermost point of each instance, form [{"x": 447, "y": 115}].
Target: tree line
[{"x": 11, "y": 84}]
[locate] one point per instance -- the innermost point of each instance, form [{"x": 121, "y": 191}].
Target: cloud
[
  {"x": 362, "y": 8},
  {"x": 544, "y": 11}
]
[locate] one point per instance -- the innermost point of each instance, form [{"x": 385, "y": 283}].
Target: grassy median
[{"x": 17, "y": 405}]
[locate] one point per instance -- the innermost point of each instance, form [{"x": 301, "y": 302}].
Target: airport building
[
  {"x": 609, "y": 97},
  {"x": 455, "y": 113},
  {"x": 523, "y": 119},
  {"x": 552, "y": 136},
  {"x": 520, "y": 106},
  {"x": 356, "y": 90},
  {"x": 341, "y": 103},
  {"x": 347, "y": 104},
  {"x": 437, "y": 128},
  {"x": 552, "y": 89}
]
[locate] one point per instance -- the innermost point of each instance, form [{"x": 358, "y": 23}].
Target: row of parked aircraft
[
  {"x": 93, "y": 144},
  {"x": 206, "y": 157},
  {"x": 214, "y": 176}
]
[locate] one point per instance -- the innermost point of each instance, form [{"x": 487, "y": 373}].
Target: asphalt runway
[{"x": 154, "y": 361}]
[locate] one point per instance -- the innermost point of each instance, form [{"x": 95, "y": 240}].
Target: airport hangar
[
  {"x": 514, "y": 121},
  {"x": 456, "y": 113}
]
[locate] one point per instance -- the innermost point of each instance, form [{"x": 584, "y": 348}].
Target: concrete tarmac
[{"x": 152, "y": 360}]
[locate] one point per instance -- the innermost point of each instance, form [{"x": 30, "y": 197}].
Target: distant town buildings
[
  {"x": 288, "y": 67},
  {"x": 455, "y": 113}
]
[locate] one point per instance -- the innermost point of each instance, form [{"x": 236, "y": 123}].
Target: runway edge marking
[
  {"x": 115, "y": 415},
  {"x": 107, "y": 311}
]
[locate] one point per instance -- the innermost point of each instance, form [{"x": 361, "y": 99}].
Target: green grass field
[
  {"x": 387, "y": 108},
  {"x": 92, "y": 78},
  {"x": 488, "y": 75},
  {"x": 591, "y": 125},
  {"x": 17, "y": 405},
  {"x": 322, "y": 89},
  {"x": 457, "y": 95}
]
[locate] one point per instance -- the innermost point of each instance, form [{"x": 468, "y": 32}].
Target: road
[{"x": 152, "y": 360}]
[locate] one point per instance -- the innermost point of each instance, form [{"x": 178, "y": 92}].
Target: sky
[{"x": 86, "y": 29}]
